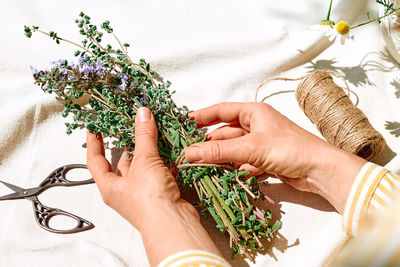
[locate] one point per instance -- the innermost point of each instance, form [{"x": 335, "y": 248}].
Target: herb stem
[
  {"x": 214, "y": 190},
  {"x": 373, "y": 20},
  {"x": 329, "y": 11},
  {"x": 65, "y": 40},
  {"x": 135, "y": 64},
  {"x": 241, "y": 206},
  {"x": 220, "y": 211},
  {"x": 245, "y": 187}
]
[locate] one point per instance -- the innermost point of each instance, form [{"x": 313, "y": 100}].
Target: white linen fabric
[{"x": 212, "y": 51}]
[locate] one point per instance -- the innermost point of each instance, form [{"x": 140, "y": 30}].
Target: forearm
[
  {"x": 332, "y": 174},
  {"x": 174, "y": 228}
]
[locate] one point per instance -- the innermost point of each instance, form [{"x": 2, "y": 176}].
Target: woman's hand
[
  {"x": 145, "y": 193},
  {"x": 260, "y": 139},
  {"x": 141, "y": 184}
]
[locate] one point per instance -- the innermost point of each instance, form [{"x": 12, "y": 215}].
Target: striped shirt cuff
[
  {"x": 371, "y": 190},
  {"x": 194, "y": 258}
]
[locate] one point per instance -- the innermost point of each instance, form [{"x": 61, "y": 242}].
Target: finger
[
  {"x": 124, "y": 163},
  {"x": 145, "y": 136},
  {"x": 221, "y": 151},
  {"x": 227, "y": 132},
  {"x": 97, "y": 164},
  {"x": 254, "y": 171},
  {"x": 235, "y": 113}
]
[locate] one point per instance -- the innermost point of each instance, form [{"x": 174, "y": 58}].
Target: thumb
[
  {"x": 145, "y": 134},
  {"x": 221, "y": 151}
]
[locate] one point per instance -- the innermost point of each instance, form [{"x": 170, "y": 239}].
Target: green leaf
[
  {"x": 91, "y": 127},
  {"x": 244, "y": 198},
  {"x": 225, "y": 185},
  {"x": 78, "y": 116},
  {"x": 243, "y": 174},
  {"x": 237, "y": 221},
  {"x": 202, "y": 139},
  {"x": 78, "y": 107},
  {"x": 200, "y": 174},
  {"x": 165, "y": 151},
  {"x": 183, "y": 142},
  {"x": 175, "y": 138},
  {"x": 251, "y": 180},
  {"x": 277, "y": 225},
  {"x": 235, "y": 251},
  {"x": 216, "y": 218}
]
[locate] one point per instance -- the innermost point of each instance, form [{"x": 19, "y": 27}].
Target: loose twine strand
[{"x": 339, "y": 121}]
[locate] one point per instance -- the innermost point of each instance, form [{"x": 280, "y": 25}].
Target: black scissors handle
[
  {"x": 58, "y": 177},
  {"x": 44, "y": 214}
]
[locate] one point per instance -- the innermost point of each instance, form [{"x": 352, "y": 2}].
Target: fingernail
[
  {"x": 143, "y": 115},
  {"x": 194, "y": 153}
]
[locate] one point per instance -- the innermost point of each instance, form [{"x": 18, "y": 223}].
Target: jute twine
[{"x": 339, "y": 121}]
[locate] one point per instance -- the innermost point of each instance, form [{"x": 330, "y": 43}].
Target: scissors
[{"x": 44, "y": 214}]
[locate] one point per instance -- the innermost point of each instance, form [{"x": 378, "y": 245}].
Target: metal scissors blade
[
  {"x": 20, "y": 192},
  {"x": 12, "y": 196},
  {"x": 13, "y": 187}
]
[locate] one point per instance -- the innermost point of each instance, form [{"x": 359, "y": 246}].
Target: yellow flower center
[{"x": 342, "y": 27}]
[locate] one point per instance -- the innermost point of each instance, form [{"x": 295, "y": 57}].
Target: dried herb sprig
[{"x": 116, "y": 87}]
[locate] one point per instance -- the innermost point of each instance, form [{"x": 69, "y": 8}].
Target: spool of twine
[{"x": 339, "y": 121}]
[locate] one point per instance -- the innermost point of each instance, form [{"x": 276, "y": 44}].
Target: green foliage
[
  {"x": 389, "y": 6},
  {"x": 116, "y": 88}
]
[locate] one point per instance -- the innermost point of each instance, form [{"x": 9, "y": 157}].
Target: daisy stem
[
  {"x": 373, "y": 20},
  {"x": 329, "y": 10}
]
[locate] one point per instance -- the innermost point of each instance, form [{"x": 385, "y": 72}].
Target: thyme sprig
[{"x": 116, "y": 88}]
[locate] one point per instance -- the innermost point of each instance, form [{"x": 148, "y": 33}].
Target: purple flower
[
  {"x": 99, "y": 65},
  {"x": 64, "y": 71},
  {"x": 143, "y": 101},
  {"x": 124, "y": 79},
  {"x": 57, "y": 64},
  {"x": 86, "y": 70},
  {"x": 123, "y": 86},
  {"x": 81, "y": 61},
  {"x": 33, "y": 70}
]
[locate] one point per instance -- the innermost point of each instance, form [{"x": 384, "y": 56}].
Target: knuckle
[
  {"x": 149, "y": 158},
  {"x": 264, "y": 106},
  {"x": 144, "y": 131},
  {"x": 215, "y": 151}
]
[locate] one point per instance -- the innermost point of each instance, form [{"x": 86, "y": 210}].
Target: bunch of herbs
[{"x": 116, "y": 87}]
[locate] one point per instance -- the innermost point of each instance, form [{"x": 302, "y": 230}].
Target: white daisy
[
  {"x": 340, "y": 33},
  {"x": 335, "y": 32}
]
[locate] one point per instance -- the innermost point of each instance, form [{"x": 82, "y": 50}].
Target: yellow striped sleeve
[
  {"x": 371, "y": 191},
  {"x": 380, "y": 245},
  {"x": 194, "y": 258}
]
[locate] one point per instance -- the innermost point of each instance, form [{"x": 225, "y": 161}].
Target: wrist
[
  {"x": 171, "y": 227},
  {"x": 332, "y": 173}
]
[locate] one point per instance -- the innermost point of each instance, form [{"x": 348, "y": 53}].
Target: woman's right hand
[{"x": 261, "y": 139}]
